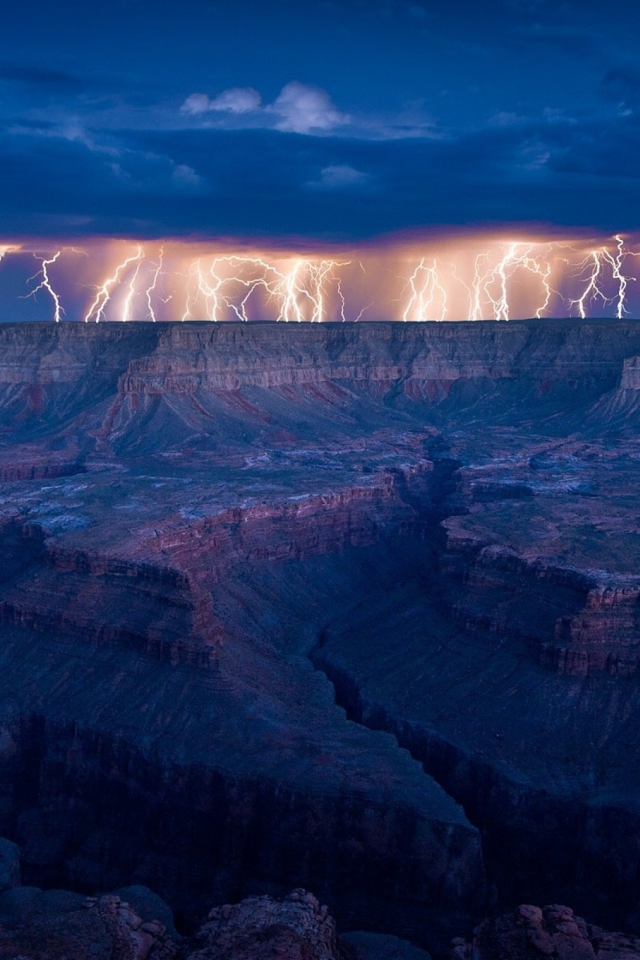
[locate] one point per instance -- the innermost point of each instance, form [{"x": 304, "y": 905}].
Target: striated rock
[{"x": 531, "y": 933}]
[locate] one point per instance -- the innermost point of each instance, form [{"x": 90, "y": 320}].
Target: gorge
[{"x": 348, "y": 607}]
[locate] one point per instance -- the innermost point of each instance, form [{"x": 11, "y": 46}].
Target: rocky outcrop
[
  {"x": 135, "y": 924},
  {"x": 491, "y": 587},
  {"x": 603, "y": 635},
  {"x": 576, "y": 624},
  {"x": 53, "y": 924},
  {"x": 153, "y": 591},
  {"x": 294, "y": 928},
  {"x": 554, "y": 932},
  {"x": 630, "y": 379}
]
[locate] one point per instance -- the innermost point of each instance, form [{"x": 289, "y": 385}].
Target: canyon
[{"x": 353, "y": 608}]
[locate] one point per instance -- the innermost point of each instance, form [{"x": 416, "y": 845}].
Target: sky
[{"x": 317, "y": 121}]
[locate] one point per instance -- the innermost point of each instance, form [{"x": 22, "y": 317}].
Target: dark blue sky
[{"x": 317, "y": 119}]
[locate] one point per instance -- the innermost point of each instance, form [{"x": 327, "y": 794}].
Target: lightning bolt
[
  {"x": 103, "y": 296},
  {"x": 45, "y": 284},
  {"x": 152, "y": 286},
  {"x": 255, "y": 280},
  {"x": 208, "y": 292},
  {"x": 592, "y": 290},
  {"x": 126, "y": 311},
  {"x": 502, "y": 280},
  {"x": 302, "y": 291},
  {"x": 231, "y": 282},
  {"x": 425, "y": 285},
  {"x": 290, "y": 291},
  {"x": 615, "y": 260},
  {"x": 487, "y": 277},
  {"x": 544, "y": 273}
]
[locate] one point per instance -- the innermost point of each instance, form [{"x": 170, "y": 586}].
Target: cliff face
[
  {"x": 48, "y": 372},
  {"x": 577, "y": 625},
  {"x": 432, "y": 514}
]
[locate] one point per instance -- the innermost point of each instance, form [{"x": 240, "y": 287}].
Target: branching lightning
[
  {"x": 152, "y": 286},
  {"x": 491, "y": 278},
  {"x": 488, "y": 278},
  {"x": 126, "y": 311},
  {"x": 45, "y": 284},
  {"x": 302, "y": 291},
  {"x": 299, "y": 293},
  {"x": 103, "y": 296},
  {"x": 616, "y": 261},
  {"x": 426, "y": 290},
  {"x": 593, "y": 266}
]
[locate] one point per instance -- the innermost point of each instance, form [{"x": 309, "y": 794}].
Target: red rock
[
  {"x": 294, "y": 928},
  {"x": 531, "y": 933}
]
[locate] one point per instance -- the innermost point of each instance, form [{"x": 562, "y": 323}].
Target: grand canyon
[{"x": 351, "y": 609}]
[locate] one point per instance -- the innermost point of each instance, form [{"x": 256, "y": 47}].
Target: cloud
[
  {"x": 302, "y": 109},
  {"x": 237, "y": 100},
  {"x": 339, "y": 176},
  {"x": 186, "y": 177},
  {"x": 251, "y": 182},
  {"x": 297, "y": 108}
]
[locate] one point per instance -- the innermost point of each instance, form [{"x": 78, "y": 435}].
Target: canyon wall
[{"x": 438, "y": 517}]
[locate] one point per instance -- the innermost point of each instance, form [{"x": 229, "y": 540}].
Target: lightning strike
[
  {"x": 45, "y": 284},
  {"x": 154, "y": 282},
  {"x": 615, "y": 260},
  {"x": 515, "y": 257},
  {"x": 592, "y": 291},
  {"x": 103, "y": 296},
  {"x": 232, "y": 283},
  {"x": 126, "y": 311},
  {"x": 426, "y": 289},
  {"x": 457, "y": 279}
]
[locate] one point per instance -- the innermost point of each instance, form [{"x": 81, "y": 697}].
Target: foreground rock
[
  {"x": 60, "y": 925},
  {"x": 37, "y": 925},
  {"x": 260, "y": 928},
  {"x": 531, "y": 933}
]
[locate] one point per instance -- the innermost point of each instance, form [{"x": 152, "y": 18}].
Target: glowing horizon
[{"x": 472, "y": 277}]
